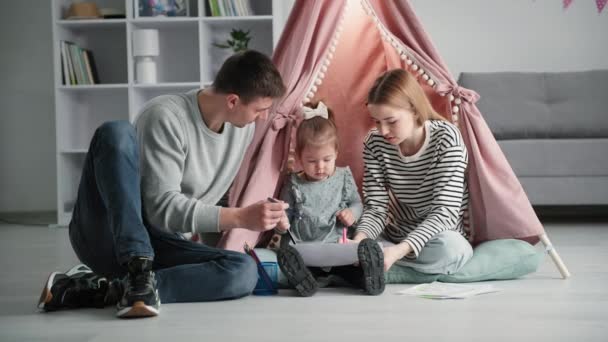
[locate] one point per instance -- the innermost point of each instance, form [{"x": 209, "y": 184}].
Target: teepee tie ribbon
[{"x": 466, "y": 94}]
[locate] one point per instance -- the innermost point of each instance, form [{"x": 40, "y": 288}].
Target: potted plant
[{"x": 239, "y": 39}]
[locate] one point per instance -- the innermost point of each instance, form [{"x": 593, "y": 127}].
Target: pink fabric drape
[
  {"x": 298, "y": 56},
  {"x": 500, "y": 208}
]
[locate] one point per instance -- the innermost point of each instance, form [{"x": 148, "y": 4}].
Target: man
[{"x": 142, "y": 188}]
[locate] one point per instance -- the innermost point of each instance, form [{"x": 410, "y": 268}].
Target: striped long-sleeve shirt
[{"x": 413, "y": 198}]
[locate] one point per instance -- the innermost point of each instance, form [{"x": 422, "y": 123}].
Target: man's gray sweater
[{"x": 185, "y": 167}]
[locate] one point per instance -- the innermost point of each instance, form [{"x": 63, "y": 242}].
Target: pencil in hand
[{"x": 270, "y": 199}]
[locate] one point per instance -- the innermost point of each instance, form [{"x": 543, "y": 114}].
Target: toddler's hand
[{"x": 346, "y": 217}]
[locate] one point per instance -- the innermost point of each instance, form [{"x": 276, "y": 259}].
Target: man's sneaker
[
  {"x": 298, "y": 275},
  {"x": 79, "y": 287},
  {"x": 140, "y": 297},
  {"x": 371, "y": 261}
]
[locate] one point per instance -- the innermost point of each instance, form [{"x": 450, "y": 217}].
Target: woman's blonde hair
[
  {"x": 399, "y": 89},
  {"x": 317, "y": 131}
]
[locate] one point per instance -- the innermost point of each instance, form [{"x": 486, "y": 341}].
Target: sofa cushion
[
  {"x": 498, "y": 260},
  {"x": 566, "y": 191},
  {"x": 526, "y": 105},
  {"x": 557, "y": 157},
  {"x": 492, "y": 260}
]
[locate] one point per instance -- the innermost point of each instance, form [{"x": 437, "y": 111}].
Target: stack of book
[
  {"x": 229, "y": 8},
  {"x": 77, "y": 65}
]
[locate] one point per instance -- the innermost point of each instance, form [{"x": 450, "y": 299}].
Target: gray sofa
[{"x": 553, "y": 129}]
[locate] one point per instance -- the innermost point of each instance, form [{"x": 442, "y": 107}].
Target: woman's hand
[
  {"x": 346, "y": 217},
  {"x": 359, "y": 236},
  {"x": 394, "y": 253}
]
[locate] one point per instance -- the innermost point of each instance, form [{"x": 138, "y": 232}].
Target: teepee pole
[{"x": 556, "y": 259}]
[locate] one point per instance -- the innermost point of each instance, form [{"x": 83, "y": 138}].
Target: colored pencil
[{"x": 270, "y": 199}]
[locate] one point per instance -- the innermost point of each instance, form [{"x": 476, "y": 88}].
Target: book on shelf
[
  {"x": 65, "y": 69},
  {"x": 92, "y": 66},
  {"x": 75, "y": 56},
  {"x": 229, "y": 8},
  {"x": 77, "y": 64}
]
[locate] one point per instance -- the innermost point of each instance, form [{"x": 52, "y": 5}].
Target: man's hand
[
  {"x": 283, "y": 224},
  {"x": 346, "y": 217},
  {"x": 263, "y": 216}
]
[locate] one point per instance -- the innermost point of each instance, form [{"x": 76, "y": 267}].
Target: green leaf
[{"x": 238, "y": 41}]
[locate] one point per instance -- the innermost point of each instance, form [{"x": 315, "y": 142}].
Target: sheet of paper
[{"x": 438, "y": 290}]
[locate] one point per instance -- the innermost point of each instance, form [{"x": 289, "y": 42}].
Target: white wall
[
  {"x": 471, "y": 35},
  {"x": 516, "y": 35},
  {"x": 27, "y": 128}
]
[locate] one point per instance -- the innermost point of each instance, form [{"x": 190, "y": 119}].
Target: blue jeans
[{"x": 107, "y": 229}]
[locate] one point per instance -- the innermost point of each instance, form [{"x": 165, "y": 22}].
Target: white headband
[{"x": 321, "y": 110}]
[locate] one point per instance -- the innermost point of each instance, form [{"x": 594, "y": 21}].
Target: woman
[{"x": 415, "y": 192}]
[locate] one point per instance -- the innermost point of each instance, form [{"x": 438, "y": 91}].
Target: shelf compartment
[
  {"x": 79, "y": 113},
  {"x": 108, "y": 45},
  {"x": 218, "y": 31},
  {"x": 70, "y": 168},
  {"x": 61, "y": 7},
  {"x": 192, "y": 11},
  {"x": 259, "y": 8},
  {"x": 178, "y": 60}
]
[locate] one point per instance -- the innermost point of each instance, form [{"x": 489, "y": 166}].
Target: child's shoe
[
  {"x": 298, "y": 275},
  {"x": 371, "y": 261}
]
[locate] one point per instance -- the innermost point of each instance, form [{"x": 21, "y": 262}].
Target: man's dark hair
[{"x": 249, "y": 74}]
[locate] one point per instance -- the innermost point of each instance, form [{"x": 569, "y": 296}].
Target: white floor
[{"x": 539, "y": 307}]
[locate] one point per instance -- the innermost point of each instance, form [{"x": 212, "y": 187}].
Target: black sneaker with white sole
[
  {"x": 371, "y": 261},
  {"x": 296, "y": 272},
  {"x": 140, "y": 297},
  {"x": 79, "y": 287}
]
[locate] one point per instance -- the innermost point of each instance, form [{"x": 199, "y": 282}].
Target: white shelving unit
[{"x": 187, "y": 60}]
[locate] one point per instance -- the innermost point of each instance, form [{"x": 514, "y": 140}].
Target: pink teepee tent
[{"x": 334, "y": 50}]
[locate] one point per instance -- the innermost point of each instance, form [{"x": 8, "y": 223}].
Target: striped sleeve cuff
[{"x": 370, "y": 226}]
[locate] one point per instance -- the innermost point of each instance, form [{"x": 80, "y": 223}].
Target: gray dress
[{"x": 314, "y": 205}]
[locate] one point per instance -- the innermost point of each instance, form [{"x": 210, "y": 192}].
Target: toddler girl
[{"x": 323, "y": 202}]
